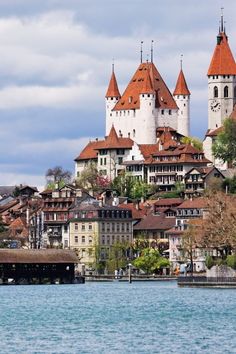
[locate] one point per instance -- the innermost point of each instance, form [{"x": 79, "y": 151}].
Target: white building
[
  {"x": 221, "y": 91},
  {"x": 147, "y": 104}
]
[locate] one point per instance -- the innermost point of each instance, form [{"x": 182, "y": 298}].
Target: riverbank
[{"x": 134, "y": 278}]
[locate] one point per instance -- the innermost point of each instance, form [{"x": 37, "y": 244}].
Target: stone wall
[{"x": 221, "y": 271}]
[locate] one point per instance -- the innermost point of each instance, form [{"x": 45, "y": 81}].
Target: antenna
[
  {"x": 222, "y": 20},
  {"x": 141, "y": 52},
  {"x": 152, "y": 51}
]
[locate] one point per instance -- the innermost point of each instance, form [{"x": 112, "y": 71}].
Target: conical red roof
[
  {"x": 222, "y": 62},
  {"x": 130, "y": 98},
  {"x": 147, "y": 84},
  {"x": 181, "y": 87},
  {"x": 113, "y": 90}
]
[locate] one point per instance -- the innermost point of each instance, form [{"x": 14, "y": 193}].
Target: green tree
[
  {"x": 118, "y": 256},
  {"x": 229, "y": 184},
  {"x": 123, "y": 184},
  {"x": 224, "y": 147},
  {"x": 195, "y": 142},
  {"x": 88, "y": 177},
  {"x": 139, "y": 190},
  {"x": 150, "y": 261}
]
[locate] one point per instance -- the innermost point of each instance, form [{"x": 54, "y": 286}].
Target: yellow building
[{"x": 95, "y": 229}]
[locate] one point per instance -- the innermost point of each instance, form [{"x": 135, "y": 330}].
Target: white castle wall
[{"x": 183, "y": 102}]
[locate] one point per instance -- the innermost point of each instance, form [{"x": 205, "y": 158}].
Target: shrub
[
  {"x": 231, "y": 261},
  {"x": 209, "y": 262}
]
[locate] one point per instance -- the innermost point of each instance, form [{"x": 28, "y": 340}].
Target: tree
[
  {"x": 139, "y": 190},
  {"x": 195, "y": 142},
  {"x": 150, "y": 261},
  {"x": 91, "y": 179},
  {"x": 190, "y": 241},
  {"x": 218, "y": 229},
  {"x": 224, "y": 147},
  {"x": 58, "y": 175},
  {"x": 229, "y": 184},
  {"x": 124, "y": 184}
]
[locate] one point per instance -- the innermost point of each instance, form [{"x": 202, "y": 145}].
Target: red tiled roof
[
  {"x": 155, "y": 222},
  {"x": 214, "y": 132},
  {"x": 147, "y": 84},
  {"x": 197, "y": 203},
  {"x": 112, "y": 141},
  {"x": 148, "y": 149},
  {"x": 222, "y": 62},
  {"x": 130, "y": 98},
  {"x": 168, "y": 202},
  {"x": 113, "y": 90},
  {"x": 89, "y": 152},
  {"x": 181, "y": 87},
  {"x": 18, "y": 223},
  {"x": 138, "y": 212}
]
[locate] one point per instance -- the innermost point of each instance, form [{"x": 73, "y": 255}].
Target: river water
[{"x": 142, "y": 317}]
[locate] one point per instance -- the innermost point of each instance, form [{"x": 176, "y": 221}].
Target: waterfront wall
[{"x": 221, "y": 271}]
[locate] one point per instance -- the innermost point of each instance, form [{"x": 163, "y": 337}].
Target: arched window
[
  {"x": 226, "y": 91},
  {"x": 234, "y": 91},
  {"x": 215, "y": 91}
]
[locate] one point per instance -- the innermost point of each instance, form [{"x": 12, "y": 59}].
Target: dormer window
[{"x": 130, "y": 99}]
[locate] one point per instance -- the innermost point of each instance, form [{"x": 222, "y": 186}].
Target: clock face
[{"x": 215, "y": 105}]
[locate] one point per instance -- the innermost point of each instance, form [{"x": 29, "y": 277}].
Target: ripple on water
[{"x": 155, "y": 317}]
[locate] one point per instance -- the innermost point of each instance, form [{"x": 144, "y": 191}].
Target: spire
[
  {"x": 222, "y": 62},
  {"x": 141, "y": 52},
  {"x": 147, "y": 83},
  {"x": 113, "y": 90},
  {"x": 152, "y": 51},
  {"x": 181, "y": 87}
]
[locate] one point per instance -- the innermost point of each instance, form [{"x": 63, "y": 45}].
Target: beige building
[{"x": 95, "y": 229}]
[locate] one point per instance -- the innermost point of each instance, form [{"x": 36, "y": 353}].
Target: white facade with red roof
[
  {"x": 221, "y": 92},
  {"x": 145, "y": 105}
]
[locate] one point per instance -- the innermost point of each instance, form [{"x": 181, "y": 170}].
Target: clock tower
[{"x": 221, "y": 81}]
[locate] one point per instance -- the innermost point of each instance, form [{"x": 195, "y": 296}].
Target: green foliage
[
  {"x": 124, "y": 184},
  {"x": 224, "y": 147},
  {"x": 195, "y": 142},
  {"x": 117, "y": 256},
  {"x": 150, "y": 261},
  {"x": 209, "y": 262},
  {"x": 230, "y": 184},
  {"x": 231, "y": 261},
  {"x": 139, "y": 190}
]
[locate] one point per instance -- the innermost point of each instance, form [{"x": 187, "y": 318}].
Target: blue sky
[{"x": 55, "y": 64}]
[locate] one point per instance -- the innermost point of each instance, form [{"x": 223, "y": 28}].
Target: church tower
[
  {"x": 181, "y": 95},
  {"x": 221, "y": 81},
  {"x": 112, "y": 97}
]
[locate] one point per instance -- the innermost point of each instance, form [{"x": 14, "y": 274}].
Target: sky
[{"x": 55, "y": 65}]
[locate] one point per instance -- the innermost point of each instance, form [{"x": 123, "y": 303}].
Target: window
[
  {"x": 76, "y": 239},
  {"x": 66, "y": 243},
  {"x": 226, "y": 91},
  {"x": 83, "y": 239},
  {"x": 235, "y": 91},
  {"x": 90, "y": 239},
  {"x": 66, "y": 229},
  {"x": 215, "y": 91},
  {"x": 105, "y": 161},
  {"x": 133, "y": 133},
  {"x": 90, "y": 226},
  {"x": 101, "y": 162},
  {"x": 83, "y": 227},
  {"x": 120, "y": 160},
  {"x": 76, "y": 226},
  {"x": 170, "y": 112},
  {"x": 120, "y": 151}
]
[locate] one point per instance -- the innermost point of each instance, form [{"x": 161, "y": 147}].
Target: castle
[{"x": 145, "y": 125}]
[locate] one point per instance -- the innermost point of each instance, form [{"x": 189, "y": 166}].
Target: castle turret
[
  {"x": 147, "y": 124},
  {"x": 221, "y": 81},
  {"x": 182, "y": 98},
  {"x": 112, "y": 97}
]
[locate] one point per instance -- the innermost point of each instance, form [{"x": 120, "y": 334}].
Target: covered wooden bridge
[{"x": 21, "y": 266}]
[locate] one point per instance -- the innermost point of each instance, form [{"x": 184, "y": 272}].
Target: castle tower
[
  {"x": 112, "y": 97},
  {"x": 221, "y": 81},
  {"x": 182, "y": 98},
  {"x": 145, "y": 105}
]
